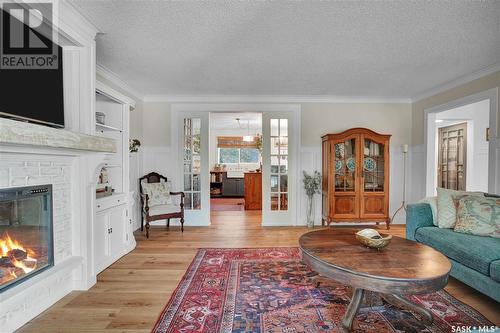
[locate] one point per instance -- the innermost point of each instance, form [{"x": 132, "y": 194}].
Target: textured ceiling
[
  {"x": 355, "y": 48},
  {"x": 227, "y": 121}
]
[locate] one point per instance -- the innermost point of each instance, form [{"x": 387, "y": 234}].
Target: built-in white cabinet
[
  {"x": 110, "y": 236},
  {"x": 112, "y": 225}
]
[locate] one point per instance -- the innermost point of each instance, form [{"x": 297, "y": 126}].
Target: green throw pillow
[{"x": 478, "y": 216}]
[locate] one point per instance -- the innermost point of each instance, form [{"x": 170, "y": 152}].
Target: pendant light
[{"x": 248, "y": 137}]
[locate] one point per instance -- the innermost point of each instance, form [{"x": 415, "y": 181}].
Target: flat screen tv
[{"x": 32, "y": 95}]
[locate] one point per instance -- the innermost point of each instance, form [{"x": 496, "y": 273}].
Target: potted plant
[
  {"x": 312, "y": 184},
  {"x": 134, "y": 145}
]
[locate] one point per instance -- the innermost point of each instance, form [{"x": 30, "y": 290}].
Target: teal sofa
[{"x": 475, "y": 260}]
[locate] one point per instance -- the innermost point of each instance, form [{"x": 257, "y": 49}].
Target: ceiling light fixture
[{"x": 248, "y": 137}]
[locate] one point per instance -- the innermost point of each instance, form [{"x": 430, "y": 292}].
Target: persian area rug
[{"x": 270, "y": 290}]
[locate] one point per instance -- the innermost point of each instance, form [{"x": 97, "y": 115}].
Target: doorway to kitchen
[{"x": 235, "y": 161}]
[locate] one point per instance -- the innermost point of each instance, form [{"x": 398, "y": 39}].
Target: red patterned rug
[{"x": 269, "y": 291}]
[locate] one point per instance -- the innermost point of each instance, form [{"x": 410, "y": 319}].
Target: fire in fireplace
[{"x": 26, "y": 246}]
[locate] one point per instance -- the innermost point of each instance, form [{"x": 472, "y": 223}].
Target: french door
[
  {"x": 279, "y": 164},
  {"x": 279, "y": 159},
  {"x": 194, "y": 166}
]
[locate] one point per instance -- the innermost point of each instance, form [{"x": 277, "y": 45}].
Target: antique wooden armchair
[{"x": 159, "y": 212}]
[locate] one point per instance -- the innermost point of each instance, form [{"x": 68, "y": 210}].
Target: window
[
  {"x": 249, "y": 155},
  {"x": 238, "y": 155}
]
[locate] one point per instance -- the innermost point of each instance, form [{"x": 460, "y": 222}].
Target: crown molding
[
  {"x": 116, "y": 80},
  {"x": 71, "y": 21},
  {"x": 271, "y": 99},
  {"x": 457, "y": 82}
]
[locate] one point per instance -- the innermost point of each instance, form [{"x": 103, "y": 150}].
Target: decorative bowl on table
[{"x": 371, "y": 238}]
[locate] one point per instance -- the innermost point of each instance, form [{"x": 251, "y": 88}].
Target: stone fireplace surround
[
  {"x": 70, "y": 160},
  {"x": 72, "y": 173}
]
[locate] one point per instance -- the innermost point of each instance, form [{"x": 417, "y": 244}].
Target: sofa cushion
[
  {"x": 447, "y": 202},
  {"x": 158, "y": 193},
  {"x": 495, "y": 270},
  {"x": 478, "y": 216},
  {"x": 475, "y": 252}
]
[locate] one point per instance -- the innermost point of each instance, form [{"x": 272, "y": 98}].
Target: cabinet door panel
[
  {"x": 117, "y": 221},
  {"x": 101, "y": 248},
  {"x": 373, "y": 205},
  {"x": 374, "y": 177},
  {"x": 345, "y": 206},
  {"x": 346, "y": 183}
]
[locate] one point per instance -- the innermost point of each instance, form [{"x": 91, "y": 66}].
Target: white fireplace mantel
[{"x": 14, "y": 132}]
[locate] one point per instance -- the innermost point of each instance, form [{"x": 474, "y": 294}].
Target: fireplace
[{"x": 26, "y": 239}]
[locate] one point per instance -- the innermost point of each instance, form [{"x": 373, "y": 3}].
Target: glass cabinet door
[
  {"x": 373, "y": 166},
  {"x": 345, "y": 165}
]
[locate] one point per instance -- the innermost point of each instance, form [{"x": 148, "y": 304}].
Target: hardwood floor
[{"x": 131, "y": 293}]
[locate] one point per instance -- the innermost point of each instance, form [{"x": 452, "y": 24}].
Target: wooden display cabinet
[{"x": 351, "y": 193}]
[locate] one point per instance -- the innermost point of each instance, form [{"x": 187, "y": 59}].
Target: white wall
[{"x": 317, "y": 119}]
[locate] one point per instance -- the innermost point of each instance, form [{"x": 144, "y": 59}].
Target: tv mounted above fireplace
[{"x": 30, "y": 93}]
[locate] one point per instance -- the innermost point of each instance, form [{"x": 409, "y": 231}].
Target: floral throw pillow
[
  {"x": 447, "y": 201},
  {"x": 478, "y": 216},
  {"x": 158, "y": 193}
]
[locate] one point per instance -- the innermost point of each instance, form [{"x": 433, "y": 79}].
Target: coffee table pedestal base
[{"x": 396, "y": 300}]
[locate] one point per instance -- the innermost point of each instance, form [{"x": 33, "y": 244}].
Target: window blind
[{"x": 235, "y": 142}]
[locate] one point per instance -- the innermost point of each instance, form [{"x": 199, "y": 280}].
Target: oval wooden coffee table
[{"x": 402, "y": 268}]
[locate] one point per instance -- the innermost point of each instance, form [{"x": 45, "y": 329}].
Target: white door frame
[
  {"x": 178, "y": 109},
  {"x": 494, "y": 143}
]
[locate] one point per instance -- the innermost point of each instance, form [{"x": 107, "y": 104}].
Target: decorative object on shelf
[
  {"x": 103, "y": 188},
  {"x": 351, "y": 164},
  {"x": 338, "y": 167},
  {"x": 312, "y": 185},
  {"x": 369, "y": 164},
  {"x": 403, "y": 203},
  {"x": 134, "y": 145},
  {"x": 373, "y": 239},
  {"x": 100, "y": 118},
  {"x": 103, "y": 176},
  {"x": 339, "y": 151}
]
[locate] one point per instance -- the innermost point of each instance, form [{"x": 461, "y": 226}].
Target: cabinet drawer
[{"x": 111, "y": 201}]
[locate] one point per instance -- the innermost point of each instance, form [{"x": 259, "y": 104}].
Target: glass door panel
[
  {"x": 192, "y": 163},
  {"x": 345, "y": 165},
  {"x": 373, "y": 166},
  {"x": 193, "y": 166},
  {"x": 279, "y": 170},
  {"x": 279, "y": 164}
]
